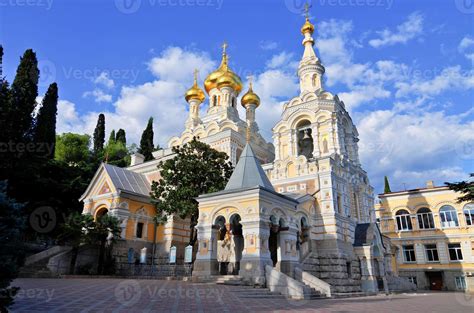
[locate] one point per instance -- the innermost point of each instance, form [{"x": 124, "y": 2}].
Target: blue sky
[{"x": 403, "y": 68}]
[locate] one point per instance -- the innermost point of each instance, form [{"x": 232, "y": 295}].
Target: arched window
[
  {"x": 469, "y": 214},
  {"x": 214, "y": 100},
  {"x": 403, "y": 220},
  {"x": 425, "y": 219},
  {"x": 304, "y": 139},
  {"x": 449, "y": 217}
]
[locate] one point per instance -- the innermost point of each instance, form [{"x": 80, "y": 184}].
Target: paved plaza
[{"x": 121, "y": 295}]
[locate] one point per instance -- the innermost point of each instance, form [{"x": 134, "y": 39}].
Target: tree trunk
[
  {"x": 72, "y": 264},
  {"x": 193, "y": 232}
]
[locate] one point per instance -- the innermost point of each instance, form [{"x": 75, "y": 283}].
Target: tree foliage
[
  {"x": 45, "y": 129},
  {"x": 465, "y": 188},
  {"x": 121, "y": 137},
  {"x": 12, "y": 223},
  {"x": 146, "y": 142},
  {"x": 99, "y": 135},
  {"x": 72, "y": 148},
  {"x": 196, "y": 169},
  {"x": 386, "y": 188}
]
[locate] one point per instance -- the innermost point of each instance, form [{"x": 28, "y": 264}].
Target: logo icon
[
  {"x": 465, "y": 149},
  {"x": 465, "y": 6},
  {"x": 43, "y": 219},
  {"x": 47, "y": 72},
  {"x": 128, "y": 6},
  {"x": 128, "y": 292},
  {"x": 297, "y": 6}
]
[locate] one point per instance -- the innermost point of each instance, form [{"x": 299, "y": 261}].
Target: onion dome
[
  {"x": 195, "y": 93},
  {"x": 307, "y": 27},
  {"x": 231, "y": 79},
  {"x": 250, "y": 97}
]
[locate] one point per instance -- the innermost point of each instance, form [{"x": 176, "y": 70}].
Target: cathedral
[{"x": 300, "y": 206}]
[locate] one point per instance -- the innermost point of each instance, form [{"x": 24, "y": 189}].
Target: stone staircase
[{"x": 38, "y": 269}]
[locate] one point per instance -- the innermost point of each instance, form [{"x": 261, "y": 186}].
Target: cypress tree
[
  {"x": 112, "y": 137},
  {"x": 99, "y": 135},
  {"x": 386, "y": 188},
  {"x": 146, "y": 142},
  {"x": 45, "y": 130},
  {"x": 24, "y": 91},
  {"x": 121, "y": 137}
]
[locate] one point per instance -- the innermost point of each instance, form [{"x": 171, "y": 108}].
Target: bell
[{"x": 306, "y": 135}]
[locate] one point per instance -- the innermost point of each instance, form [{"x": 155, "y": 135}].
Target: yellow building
[{"x": 433, "y": 235}]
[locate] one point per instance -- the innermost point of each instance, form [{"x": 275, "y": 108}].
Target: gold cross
[
  {"x": 196, "y": 71},
  {"x": 250, "y": 79},
  {"x": 306, "y": 10},
  {"x": 224, "y": 47}
]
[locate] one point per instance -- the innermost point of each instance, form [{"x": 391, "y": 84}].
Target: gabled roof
[
  {"x": 129, "y": 181},
  {"x": 122, "y": 179},
  {"x": 248, "y": 173}
]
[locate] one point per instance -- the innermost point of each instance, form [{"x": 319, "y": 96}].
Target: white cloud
[
  {"x": 98, "y": 94},
  {"x": 466, "y": 47},
  {"x": 161, "y": 99},
  {"x": 453, "y": 77},
  {"x": 414, "y": 145},
  {"x": 104, "y": 80},
  {"x": 280, "y": 60},
  {"x": 268, "y": 45},
  {"x": 406, "y": 31}
]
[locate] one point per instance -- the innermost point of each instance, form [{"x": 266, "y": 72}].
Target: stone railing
[
  {"x": 46, "y": 254},
  {"x": 281, "y": 283},
  {"x": 317, "y": 284},
  {"x": 400, "y": 284}
]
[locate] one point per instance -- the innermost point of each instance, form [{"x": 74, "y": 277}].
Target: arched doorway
[
  {"x": 273, "y": 239},
  {"x": 237, "y": 244},
  {"x": 303, "y": 242},
  {"x": 101, "y": 212},
  {"x": 230, "y": 244}
]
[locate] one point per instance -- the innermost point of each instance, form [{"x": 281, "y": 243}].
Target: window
[
  {"x": 349, "y": 269},
  {"x": 409, "y": 253},
  {"x": 291, "y": 188},
  {"x": 412, "y": 279},
  {"x": 455, "y": 252},
  {"x": 302, "y": 186},
  {"x": 425, "y": 219},
  {"x": 431, "y": 253},
  {"x": 281, "y": 189},
  {"x": 469, "y": 214},
  {"x": 403, "y": 220},
  {"x": 460, "y": 283},
  {"x": 449, "y": 217},
  {"x": 139, "y": 233}
]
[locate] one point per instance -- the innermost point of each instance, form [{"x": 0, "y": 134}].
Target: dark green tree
[
  {"x": 105, "y": 232},
  {"x": 465, "y": 188},
  {"x": 386, "y": 188},
  {"x": 45, "y": 129},
  {"x": 112, "y": 136},
  {"x": 12, "y": 224},
  {"x": 196, "y": 169},
  {"x": 117, "y": 154},
  {"x": 24, "y": 91},
  {"x": 146, "y": 142},
  {"x": 74, "y": 232},
  {"x": 99, "y": 135},
  {"x": 121, "y": 137}
]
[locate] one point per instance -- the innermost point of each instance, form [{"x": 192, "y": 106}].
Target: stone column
[
  {"x": 291, "y": 143},
  {"x": 206, "y": 264},
  {"x": 368, "y": 280},
  {"x": 255, "y": 255},
  {"x": 276, "y": 140},
  {"x": 288, "y": 257},
  {"x": 316, "y": 150}
]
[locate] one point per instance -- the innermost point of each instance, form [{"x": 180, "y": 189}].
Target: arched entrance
[
  {"x": 273, "y": 239},
  {"x": 303, "y": 243},
  {"x": 230, "y": 244}
]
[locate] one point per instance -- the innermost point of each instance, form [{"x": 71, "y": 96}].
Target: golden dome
[
  {"x": 307, "y": 27},
  {"x": 250, "y": 97},
  {"x": 195, "y": 92},
  {"x": 231, "y": 79}
]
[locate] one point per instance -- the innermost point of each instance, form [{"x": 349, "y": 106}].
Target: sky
[{"x": 404, "y": 68}]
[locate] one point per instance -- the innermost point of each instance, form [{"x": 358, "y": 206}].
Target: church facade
[{"x": 301, "y": 203}]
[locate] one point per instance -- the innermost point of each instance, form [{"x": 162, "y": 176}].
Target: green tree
[
  {"x": 99, "y": 135},
  {"x": 12, "y": 224},
  {"x": 146, "y": 142},
  {"x": 386, "y": 188},
  {"x": 466, "y": 188},
  {"x": 74, "y": 232},
  {"x": 45, "y": 129},
  {"x": 72, "y": 148},
  {"x": 105, "y": 232},
  {"x": 24, "y": 91},
  {"x": 112, "y": 136},
  {"x": 121, "y": 137},
  {"x": 117, "y": 154},
  {"x": 196, "y": 169}
]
